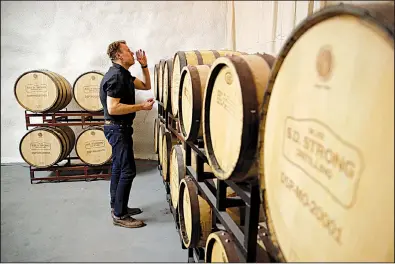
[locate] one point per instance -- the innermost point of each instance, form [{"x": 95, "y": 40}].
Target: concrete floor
[{"x": 71, "y": 222}]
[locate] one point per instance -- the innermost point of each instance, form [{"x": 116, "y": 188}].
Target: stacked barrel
[
  {"x": 46, "y": 92},
  {"x": 308, "y": 124}
]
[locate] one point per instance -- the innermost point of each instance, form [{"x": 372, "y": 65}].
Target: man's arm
[
  {"x": 140, "y": 85},
  {"x": 117, "y": 108}
]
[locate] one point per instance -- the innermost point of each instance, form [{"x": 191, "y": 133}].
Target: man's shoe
[
  {"x": 130, "y": 211},
  {"x": 127, "y": 221}
]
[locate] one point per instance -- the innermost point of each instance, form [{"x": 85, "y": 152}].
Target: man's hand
[
  {"x": 147, "y": 105},
  {"x": 141, "y": 58}
]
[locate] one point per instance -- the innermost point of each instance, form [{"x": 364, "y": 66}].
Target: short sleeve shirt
[{"x": 118, "y": 83}]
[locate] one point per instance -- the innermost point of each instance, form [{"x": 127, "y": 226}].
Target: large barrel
[
  {"x": 177, "y": 172},
  {"x": 160, "y": 79},
  {"x": 195, "y": 214},
  {"x": 221, "y": 247},
  {"x": 168, "y": 141},
  {"x": 92, "y": 146},
  {"x": 86, "y": 90},
  {"x": 156, "y": 81},
  {"x": 328, "y": 163},
  {"x": 43, "y": 147},
  {"x": 232, "y": 102},
  {"x": 42, "y": 91},
  {"x": 192, "y": 85},
  {"x": 167, "y": 72},
  {"x": 194, "y": 57}
]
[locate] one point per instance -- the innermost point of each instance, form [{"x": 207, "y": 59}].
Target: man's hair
[{"x": 113, "y": 48}]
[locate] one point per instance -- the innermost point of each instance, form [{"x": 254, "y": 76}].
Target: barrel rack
[
  {"x": 248, "y": 197},
  {"x": 68, "y": 118}
]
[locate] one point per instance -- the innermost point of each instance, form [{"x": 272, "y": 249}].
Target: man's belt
[{"x": 121, "y": 123}]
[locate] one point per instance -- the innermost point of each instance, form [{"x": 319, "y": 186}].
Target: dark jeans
[{"x": 123, "y": 166}]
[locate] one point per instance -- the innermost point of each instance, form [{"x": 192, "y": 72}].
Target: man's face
[{"x": 126, "y": 54}]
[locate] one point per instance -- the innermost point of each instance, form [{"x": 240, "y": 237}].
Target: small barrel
[
  {"x": 195, "y": 214},
  {"x": 42, "y": 91},
  {"x": 221, "y": 247},
  {"x": 192, "y": 86},
  {"x": 195, "y": 57},
  {"x": 43, "y": 147},
  {"x": 167, "y": 73},
  {"x": 162, "y": 130},
  {"x": 86, "y": 91},
  {"x": 156, "y": 81},
  {"x": 156, "y": 135},
  {"x": 327, "y": 161},
  {"x": 233, "y": 99},
  {"x": 168, "y": 141},
  {"x": 160, "y": 79},
  {"x": 92, "y": 146},
  {"x": 177, "y": 172}
]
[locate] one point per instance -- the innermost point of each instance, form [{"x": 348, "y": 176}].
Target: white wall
[
  {"x": 264, "y": 26},
  {"x": 71, "y": 38}
]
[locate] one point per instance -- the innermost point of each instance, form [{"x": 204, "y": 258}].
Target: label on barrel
[
  {"x": 40, "y": 147},
  {"x": 94, "y": 146},
  {"x": 36, "y": 90},
  {"x": 323, "y": 156},
  {"x": 91, "y": 91}
]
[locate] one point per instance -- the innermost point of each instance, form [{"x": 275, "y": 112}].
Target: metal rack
[
  {"x": 248, "y": 197},
  {"x": 68, "y": 118}
]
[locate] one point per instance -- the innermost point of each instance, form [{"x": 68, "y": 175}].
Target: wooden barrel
[
  {"x": 167, "y": 72},
  {"x": 194, "y": 57},
  {"x": 42, "y": 147},
  {"x": 232, "y": 102},
  {"x": 42, "y": 91},
  {"x": 92, "y": 146},
  {"x": 328, "y": 157},
  {"x": 168, "y": 141},
  {"x": 206, "y": 167},
  {"x": 195, "y": 214},
  {"x": 86, "y": 91},
  {"x": 177, "y": 172},
  {"x": 162, "y": 130},
  {"x": 221, "y": 247},
  {"x": 156, "y": 135},
  {"x": 156, "y": 81},
  {"x": 192, "y": 85},
  {"x": 160, "y": 79}
]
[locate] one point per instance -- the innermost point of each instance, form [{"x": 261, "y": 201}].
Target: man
[{"x": 117, "y": 95}]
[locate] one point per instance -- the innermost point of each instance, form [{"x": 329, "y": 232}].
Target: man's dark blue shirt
[{"x": 118, "y": 83}]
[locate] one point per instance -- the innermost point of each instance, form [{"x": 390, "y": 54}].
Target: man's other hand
[{"x": 147, "y": 105}]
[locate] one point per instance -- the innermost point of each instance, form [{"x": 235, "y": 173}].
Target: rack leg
[
  {"x": 251, "y": 224},
  {"x": 31, "y": 175}
]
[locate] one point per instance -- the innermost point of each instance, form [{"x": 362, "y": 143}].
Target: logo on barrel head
[
  {"x": 228, "y": 78},
  {"x": 40, "y": 134},
  {"x": 93, "y": 78},
  {"x": 35, "y": 76},
  {"x": 324, "y": 63},
  {"x": 92, "y": 133}
]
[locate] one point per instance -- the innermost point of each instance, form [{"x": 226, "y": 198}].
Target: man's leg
[
  {"x": 128, "y": 173},
  {"x": 112, "y": 135}
]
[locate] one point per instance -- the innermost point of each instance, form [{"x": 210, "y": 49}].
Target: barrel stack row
[
  {"x": 205, "y": 91},
  {"x": 311, "y": 125},
  {"x": 44, "y": 91},
  {"x": 43, "y": 147}
]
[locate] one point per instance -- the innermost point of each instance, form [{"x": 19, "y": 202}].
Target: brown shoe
[{"x": 127, "y": 221}]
